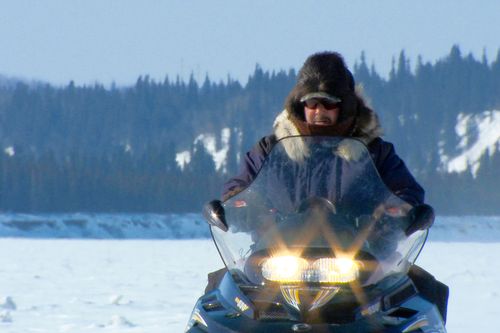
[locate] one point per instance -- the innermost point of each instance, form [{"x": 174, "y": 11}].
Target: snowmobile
[{"x": 317, "y": 243}]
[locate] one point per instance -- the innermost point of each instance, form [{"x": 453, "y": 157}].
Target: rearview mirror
[
  {"x": 215, "y": 215},
  {"x": 421, "y": 218}
]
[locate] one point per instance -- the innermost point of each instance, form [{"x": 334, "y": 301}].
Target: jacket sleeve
[
  {"x": 250, "y": 166},
  {"x": 394, "y": 172}
]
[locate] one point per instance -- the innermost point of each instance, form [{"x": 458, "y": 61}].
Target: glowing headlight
[
  {"x": 287, "y": 269},
  {"x": 336, "y": 270},
  {"x": 284, "y": 269}
]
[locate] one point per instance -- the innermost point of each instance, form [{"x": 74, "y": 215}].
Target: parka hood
[{"x": 363, "y": 125}]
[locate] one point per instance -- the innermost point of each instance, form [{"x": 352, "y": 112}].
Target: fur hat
[{"x": 324, "y": 72}]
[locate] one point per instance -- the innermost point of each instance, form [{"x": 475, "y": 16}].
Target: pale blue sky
[{"x": 118, "y": 40}]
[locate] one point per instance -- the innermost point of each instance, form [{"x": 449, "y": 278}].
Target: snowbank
[
  {"x": 466, "y": 229},
  {"x": 191, "y": 226},
  {"x": 104, "y": 226}
]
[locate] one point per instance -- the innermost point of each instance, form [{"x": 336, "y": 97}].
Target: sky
[{"x": 107, "y": 41}]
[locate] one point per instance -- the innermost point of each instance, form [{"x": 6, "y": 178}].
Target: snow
[
  {"x": 183, "y": 158},
  {"x": 473, "y": 275},
  {"x": 102, "y": 226},
  {"x": 479, "y": 134},
  {"x": 5, "y": 317},
  {"x": 9, "y": 151},
  {"x": 189, "y": 226},
  {"x": 62, "y": 285},
  {"x": 118, "y": 321},
  {"x": 118, "y": 300},
  {"x": 7, "y": 303},
  {"x": 401, "y": 119},
  {"x": 151, "y": 285},
  {"x": 209, "y": 142}
]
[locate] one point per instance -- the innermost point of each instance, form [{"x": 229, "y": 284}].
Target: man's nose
[{"x": 320, "y": 108}]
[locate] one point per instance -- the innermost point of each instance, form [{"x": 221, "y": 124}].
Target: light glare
[
  {"x": 287, "y": 269},
  {"x": 336, "y": 270},
  {"x": 284, "y": 268}
]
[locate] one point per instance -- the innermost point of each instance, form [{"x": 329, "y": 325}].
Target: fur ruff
[{"x": 284, "y": 127}]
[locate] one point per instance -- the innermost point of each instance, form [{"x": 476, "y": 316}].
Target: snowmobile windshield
[{"x": 317, "y": 212}]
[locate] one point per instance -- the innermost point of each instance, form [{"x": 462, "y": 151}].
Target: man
[{"x": 324, "y": 102}]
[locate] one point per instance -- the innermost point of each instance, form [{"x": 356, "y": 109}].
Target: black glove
[{"x": 421, "y": 218}]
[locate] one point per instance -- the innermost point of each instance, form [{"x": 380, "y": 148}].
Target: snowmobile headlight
[
  {"x": 289, "y": 269},
  {"x": 336, "y": 270},
  {"x": 284, "y": 268}
]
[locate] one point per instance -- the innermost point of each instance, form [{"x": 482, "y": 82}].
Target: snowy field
[
  {"x": 101, "y": 285},
  {"x": 151, "y": 286},
  {"x": 92, "y": 285}
]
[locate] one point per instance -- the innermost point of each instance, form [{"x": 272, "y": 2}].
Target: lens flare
[
  {"x": 336, "y": 270},
  {"x": 289, "y": 269},
  {"x": 284, "y": 268}
]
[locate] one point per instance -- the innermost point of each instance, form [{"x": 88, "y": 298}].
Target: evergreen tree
[{"x": 88, "y": 148}]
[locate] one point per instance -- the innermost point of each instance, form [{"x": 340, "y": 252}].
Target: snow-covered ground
[
  {"x": 109, "y": 285},
  {"x": 101, "y": 285}
]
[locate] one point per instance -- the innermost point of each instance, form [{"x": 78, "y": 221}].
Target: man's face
[{"x": 320, "y": 112}]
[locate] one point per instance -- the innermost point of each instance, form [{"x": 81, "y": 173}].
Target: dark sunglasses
[{"x": 312, "y": 103}]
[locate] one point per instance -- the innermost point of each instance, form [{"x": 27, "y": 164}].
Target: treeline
[
  {"x": 118, "y": 182},
  {"x": 419, "y": 111},
  {"x": 100, "y": 149},
  {"x": 95, "y": 149}
]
